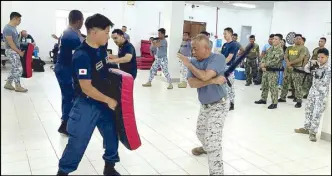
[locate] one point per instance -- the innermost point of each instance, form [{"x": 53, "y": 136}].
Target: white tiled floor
[{"x": 256, "y": 140}]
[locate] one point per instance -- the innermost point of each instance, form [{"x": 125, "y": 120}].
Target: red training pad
[
  {"x": 126, "y": 122},
  {"x": 26, "y": 61}
]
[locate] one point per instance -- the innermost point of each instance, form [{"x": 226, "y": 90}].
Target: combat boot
[
  {"x": 198, "y": 151},
  {"x": 63, "y": 128},
  {"x": 170, "y": 86},
  {"x": 231, "y": 108},
  {"x": 280, "y": 100},
  {"x": 148, "y": 84},
  {"x": 61, "y": 173},
  {"x": 305, "y": 96},
  {"x": 273, "y": 106},
  {"x": 298, "y": 105},
  {"x": 291, "y": 97},
  {"x": 182, "y": 85},
  {"x": 248, "y": 84},
  {"x": 109, "y": 169},
  {"x": 302, "y": 131},
  {"x": 260, "y": 102},
  {"x": 312, "y": 137},
  {"x": 9, "y": 86},
  {"x": 19, "y": 88}
]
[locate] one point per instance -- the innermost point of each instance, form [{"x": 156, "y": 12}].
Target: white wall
[
  {"x": 259, "y": 20},
  {"x": 142, "y": 19},
  {"x": 40, "y": 22},
  {"x": 306, "y": 17}
]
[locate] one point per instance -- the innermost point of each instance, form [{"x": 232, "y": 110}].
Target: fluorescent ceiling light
[{"x": 245, "y": 5}]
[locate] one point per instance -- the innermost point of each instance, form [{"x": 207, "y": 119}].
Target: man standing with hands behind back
[
  {"x": 206, "y": 73},
  {"x": 12, "y": 46},
  {"x": 294, "y": 57},
  {"x": 251, "y": 66}
]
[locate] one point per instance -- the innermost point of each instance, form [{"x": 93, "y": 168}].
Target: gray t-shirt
[
  {"x": 9, "y": 30},
  {"x": 126, "y": 36},
  {"x": 213, "y": 92},
  {"x": 153, "y": 50},
  {"x": 185, "y": 48},
  {"x": 162, "y": 50}
]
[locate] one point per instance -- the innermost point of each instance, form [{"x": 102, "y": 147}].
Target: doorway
[
  {"x": 245, "y": 33},
  {"x": 193, "y": 27}
]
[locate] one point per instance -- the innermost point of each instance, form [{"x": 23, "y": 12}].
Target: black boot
[
  {"x": 280, "y": 100},
  {"x": 260, "y": 102},
  {"x": 61, "y": 173},
  {"x": 305, "y": 96},
  {"x": 248, "y": 84},
  {"x": 272, "y": 106},
  {"x": 298, "y": 105},
  {"x": 109, "y": 169},
  {"x": 231, "y": 108},
  {"x": 291, "y": 97},
  {"x": 63, "y": 128}
]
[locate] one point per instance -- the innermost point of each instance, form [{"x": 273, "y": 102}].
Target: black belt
[{"x": 272, "y": 69}]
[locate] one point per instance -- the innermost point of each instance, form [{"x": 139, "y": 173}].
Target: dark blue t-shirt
[
  {"x": 130, "y": 67},
  {"x": 230, "y": 48},
  {"x": 69, "y": 41},
  {"x": 83, "y": 60}
]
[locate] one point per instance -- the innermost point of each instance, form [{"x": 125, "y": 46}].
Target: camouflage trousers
[
  {"x": 210, "y": 125},
  {"x": 163, "y": 64},
  {"x": 251, "y": 68},
  {"x": 231, "y": 90},
  {"x": 183, "y": 72},
  {"x": 307, "y": 84},
  {"x": 270, "y": 82},
  {"x": 16, "y": 70},
  {"x": 313, "y": 111},
  {"x": 297, "y": 79}
]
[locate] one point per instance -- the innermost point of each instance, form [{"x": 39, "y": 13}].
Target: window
[{"x": 62, "y": 22}]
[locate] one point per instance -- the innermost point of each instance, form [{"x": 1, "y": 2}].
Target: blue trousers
[
  {"x": 85, "y": 115},
  {"x": 65, "y": 80}
]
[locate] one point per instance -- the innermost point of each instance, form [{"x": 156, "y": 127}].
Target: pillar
[
  {"x": 326, "y": 121},
  {"x": 173, "y": 18}
]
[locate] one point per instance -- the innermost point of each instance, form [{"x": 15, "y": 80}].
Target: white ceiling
[{"x": 222, "y": 4}]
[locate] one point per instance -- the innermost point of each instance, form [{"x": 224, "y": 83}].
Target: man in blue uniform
[
  {"x": 126, "y": 56},
  {"x": 69, "y": 41},
  {"x": 91, "y": 107},
  {"x": 230, "y": 50}
]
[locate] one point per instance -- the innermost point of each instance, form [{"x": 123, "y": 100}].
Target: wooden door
[{"x": 194, "y": 28}]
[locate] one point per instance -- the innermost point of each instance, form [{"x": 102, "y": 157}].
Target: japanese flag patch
[{"x": 82, "y": 72}]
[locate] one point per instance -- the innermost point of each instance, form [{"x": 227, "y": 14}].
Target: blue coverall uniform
[
  {"x": 69, "y": 41},
  {"x": 88, "y": 113}
]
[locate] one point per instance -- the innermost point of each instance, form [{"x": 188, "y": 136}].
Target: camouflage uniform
[
  {"x": 16, "y": 70},
  {"x": 317, "y": 98},
  {"x": 251, "y": 66},
  {"x": 291, "y": 76},
  {"x": 272, "y": 59},
  {"x": 210, "y": 124},
  {"x": 231, "y": 90},
  {"x": 307, "y": 80}
]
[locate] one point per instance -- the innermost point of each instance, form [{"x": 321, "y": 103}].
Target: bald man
[{"x": 206, "y": 73}]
